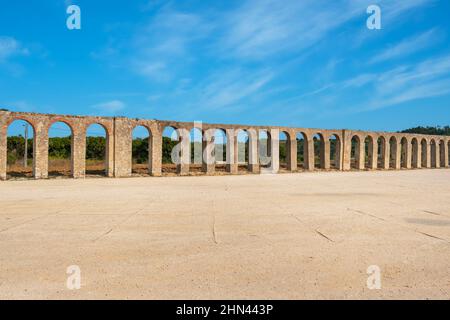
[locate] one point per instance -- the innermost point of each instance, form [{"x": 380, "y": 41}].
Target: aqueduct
[{"x": 359, "y": 150}]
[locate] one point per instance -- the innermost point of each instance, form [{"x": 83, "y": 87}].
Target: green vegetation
[
  {"x": 16, "y": 149},
  {"x": 441, "y": 131}
]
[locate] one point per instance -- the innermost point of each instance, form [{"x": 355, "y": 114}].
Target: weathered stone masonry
[{"x": 418, "y": 150}]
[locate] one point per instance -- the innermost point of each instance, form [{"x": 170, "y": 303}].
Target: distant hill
[{"x": 441, "y": 131}]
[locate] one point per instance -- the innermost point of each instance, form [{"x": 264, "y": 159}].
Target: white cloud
[
  {"x": 110, "y": 107},
  {"x": 408, "y": 46},
  {"x": 260, "y": 28},
  {"x": 10, "y": 47},
  {"x": 226, "y": 89}
]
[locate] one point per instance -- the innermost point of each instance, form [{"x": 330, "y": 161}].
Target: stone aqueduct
[{"x": 419, "y": 151}]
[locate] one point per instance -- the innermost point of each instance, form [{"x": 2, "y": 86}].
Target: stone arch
[
  {"x": 433, "y": 149},
  {"x": 141, "y": 149},
  {"x": 264, "y": 148},
  {"x": 355, "y": 153},
  {"x": 302, "y": 150},
  {"x": 415, "y": 153},
  {"x": 170, "y": 138},
  {"x": 370, "y": 150},
  {"x": 335, "y": 147},
  {"x": 383, "y": 151},
  {"x": 393, "y": 152},
  {"x": 97, "y": 149},
  {"x": 243, "y": 149},
  {"x": 442, "y": 153},
  {"x": 424, "y": 156},
  {"x": 319, "y": 151},
  {"x": 284, "y": 149},
  {"x": 195, "y": 145},
  {"x": 448, "y": 153},
  {"x": 220, "y": 149},
  {"x": 60, "y": 160},
  {"x": 17, "y": 157}
]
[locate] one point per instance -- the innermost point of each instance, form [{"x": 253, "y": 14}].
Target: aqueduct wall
[{"x": 373, "y": 150}]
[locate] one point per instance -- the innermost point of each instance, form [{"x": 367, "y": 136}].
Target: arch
[
  {"x": 265, "y": 148},
  {"x": 382, "y": 152},
  {"x": 243, "y": 149},
  {"x": 60, "y": 149},
  {"x": 415, "y": 155},
  {"x": 97, "y": 146},
  {"x": 369, "y": 152},
  {"x": 335, "y": 151},
  {"x": 433, "y": 159},
  {"x": 319, "y": 151},
  {"x": 302, "y": 150},
  {"x": 220, "y": 149},
  {"x": 196, "y": 155},
  {"x": 355, "y": 156},
  {"x": 284, "y": 150},
  {"x": 448, "y": 153},
  {"x": 20, "y": 149},
  {"x": 170, "y": 138},
  {"x": 424, "y": 153},
  {"x": 393, "y": 152},
  {"x": 404, "y": 153},
  {"x": 141, "y": 150},
  {"x": 442, "y": 153}
]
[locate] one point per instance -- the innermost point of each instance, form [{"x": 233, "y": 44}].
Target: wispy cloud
[
  {"x": 408, "y": 46},
  {"x": 260, "y": 28},
  {"x": 110, "y": 107},
  {"x": 10, "y": 47},
  {"x": 234, "y": 58}
]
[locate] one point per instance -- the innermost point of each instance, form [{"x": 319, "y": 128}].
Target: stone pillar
[
  {"x": 346, "y": 150},
  {"x": 360, "y": 155},
  {"x": 309, "y": 158},
  {"x": 416, "y": 159},
  {"x": 156, "y": 153},
  {"x": 398, "y": 155},
  {"x": 438, "y": 154},
  {"x": 291, "y": 145},
  {"x": 275, "y": 150},
  {"x": 325, "y": 154},
  {"x": 208, "y": 148},
  {"x": 79, "y": 152},
  {"x": 408, "y": 154},
  {"x": 231, "y": 156},
  {"x": 122, "y": 147},
  {"x": 428, "y": 155},
  {"x": 41, "y": 150},
  {"x": 184, "y": 152},
  {"x": 253, "y": 159},
  {"x": 338, "y": 161},
  {"x": 373, "y": 154}
]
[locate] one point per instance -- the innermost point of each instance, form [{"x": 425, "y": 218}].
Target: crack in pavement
[
  {"x": 117, "y": 225},
  {"x": 31, "y": 220},
  {"x": 366, "y": 214},
  {"x": 402, "y": 226},
  {"x": 315, "y": 230},
  {"x": 320, "y": 233},
  {"x": 213, "y": 229},
  {"x": 432, "y": 236}
]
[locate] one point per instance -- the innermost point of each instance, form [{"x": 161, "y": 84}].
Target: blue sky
[{"x": 295, "y": 63}]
